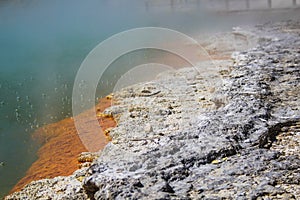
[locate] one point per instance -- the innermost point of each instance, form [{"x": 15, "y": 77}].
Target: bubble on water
[{"x": 18, "y": 115}]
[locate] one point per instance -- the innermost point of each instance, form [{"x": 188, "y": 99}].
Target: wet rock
[{"x": 86, "y": 158}]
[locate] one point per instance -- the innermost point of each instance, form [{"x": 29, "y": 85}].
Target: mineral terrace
[{"x": 231, "y": 131}]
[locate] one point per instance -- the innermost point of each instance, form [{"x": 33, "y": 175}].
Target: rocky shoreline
[
  {"x": 61, "y": 148},
  {"x": 231, "y": 131}
]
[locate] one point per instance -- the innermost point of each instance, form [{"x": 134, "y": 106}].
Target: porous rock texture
[{"x": 230, "y": 132}]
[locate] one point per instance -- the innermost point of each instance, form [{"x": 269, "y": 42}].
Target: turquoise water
[{"x": 42, "y": 44}]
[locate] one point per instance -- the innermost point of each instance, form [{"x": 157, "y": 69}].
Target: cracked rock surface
[{"x": 230, "y": 132}]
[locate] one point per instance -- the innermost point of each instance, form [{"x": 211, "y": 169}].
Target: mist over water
[{"x": 43, "y": 43}]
